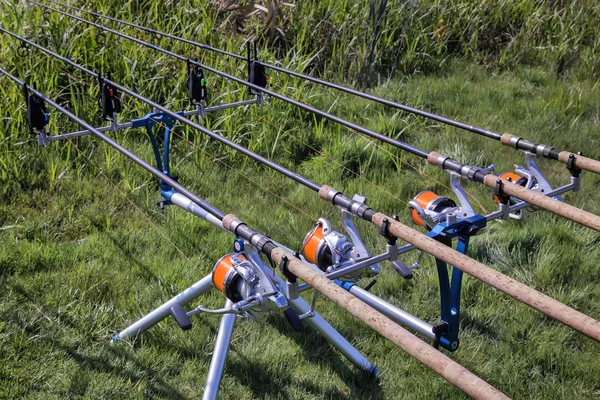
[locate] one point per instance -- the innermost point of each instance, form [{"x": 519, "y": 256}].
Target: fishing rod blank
[
  {"x": 404, "y": 146},
  {"x": 509, "y": 286},
  {"x": 430, "y": 357},
  {"x": 292, "y": 73},
  {"x": 506, "y": 139},
  {"x": 296, "y": 177},
  {"x": 475, "y": 174}
]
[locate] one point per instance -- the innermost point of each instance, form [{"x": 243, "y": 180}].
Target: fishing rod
[
  {"x": 254, "y": 305},
  {"x": 390, "y": 228},
  {"x": 506, "y": 139},
  {"x": 503, "y": 188}
]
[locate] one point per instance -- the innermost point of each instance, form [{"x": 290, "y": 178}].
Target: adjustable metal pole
[
  {"x": 396, "y": 314},
  {"x": 162, "y": 312},
  {"x": 217, "y": 363}
]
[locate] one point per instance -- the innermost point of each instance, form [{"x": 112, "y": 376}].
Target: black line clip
[
  {"x": 37, "y": 114},
  {"x": 196, "y": 84},
  {"x": 439, "y": 330},
  {"x": 109, "y": 99},
  {"x": 572, "y": 165},
  {"x": 256, "y": 71},
  {"x": 384, "y": 230},
  {"x": 499, "y": 192}
]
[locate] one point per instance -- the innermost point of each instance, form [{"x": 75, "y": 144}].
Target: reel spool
[
  {"x": 243, "y": 280},
  {"x": 316, "y": 250},
  {"x": 225, "y": 276},
  {"x": 428, "y": 208}
]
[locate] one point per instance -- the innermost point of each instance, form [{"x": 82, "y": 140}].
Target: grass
[{"x": 78, "y": 262}]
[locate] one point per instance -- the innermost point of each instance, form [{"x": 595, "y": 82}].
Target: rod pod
[
  {"x": 567, "y": 211},
  {"x": 435, "y": 360},
  {"x": 525, "y": 294}
]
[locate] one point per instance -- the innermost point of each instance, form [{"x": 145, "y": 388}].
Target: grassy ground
[{"x": 78, "y": 261}]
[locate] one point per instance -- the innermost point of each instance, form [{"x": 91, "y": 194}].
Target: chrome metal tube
[
  {"x": 217, "y": 363},
  {"x": 394, "y": 313},
  {"x": 160, "y": 313}
]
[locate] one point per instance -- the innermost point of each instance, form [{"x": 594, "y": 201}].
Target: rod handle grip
[
  {"x": 537, "y": 199},
  {"x": 517, "y": 290},
  {"x": 581, "y": 162},
  {"x": 585, "y": 163},
  {"x": 430, "y": 357}
]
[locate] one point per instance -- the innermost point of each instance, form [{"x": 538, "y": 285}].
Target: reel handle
[
  {"x": 181, "y": 317},
  {"x": 402, "y": 269}
]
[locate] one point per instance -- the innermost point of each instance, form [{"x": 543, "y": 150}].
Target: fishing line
[
  {"x": 213, "y": 157},
  {"x": 164, "y": 235}
]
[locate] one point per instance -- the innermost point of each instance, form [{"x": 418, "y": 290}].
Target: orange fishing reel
[
  {"x": 527, "y": 179},
  {"x": 248, "y": 285},
  {"x": 244, "y": 281},
  {"x": 427, "y": 209},
  {"x": 330, "y": 250},
  {"x": 514, "y": 178}
]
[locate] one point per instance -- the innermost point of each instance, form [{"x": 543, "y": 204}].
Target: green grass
[{"x": 78, "y": 262}]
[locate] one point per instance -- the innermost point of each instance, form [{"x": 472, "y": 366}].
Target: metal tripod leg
[
  {"x": 217, "y": 363},
  {"x": 191, "y": 293},
  {"x": 334, "y": 337}
]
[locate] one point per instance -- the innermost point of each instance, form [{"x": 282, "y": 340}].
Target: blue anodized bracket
[
  {"x": 450, "y": 287},
  {"x": 163, "y": 161}
]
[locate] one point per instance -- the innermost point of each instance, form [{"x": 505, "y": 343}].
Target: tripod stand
[{"x": 302, "y": 313}]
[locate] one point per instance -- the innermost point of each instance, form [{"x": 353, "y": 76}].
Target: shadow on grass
[
  {"x": 155, "y": 386},
  {"x": 318, "y": 350},
  {"x": 94, "y": 357},
  {"x": 143, "y": 270},
  {"x": 263, "y": 381},
  {"x": 490, "y": 332}
]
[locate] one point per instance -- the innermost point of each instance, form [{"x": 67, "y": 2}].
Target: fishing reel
[
  {"x": 243, "y": 280},
  {"x": 428, "y": 209},
  {"x": 517, "y": 180},
  {"x": 530, "y": 178},
  {"x": 330, "y": 251}
]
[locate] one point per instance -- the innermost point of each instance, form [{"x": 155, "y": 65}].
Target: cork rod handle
[
  {"x": 447, "y": 368},
  {"x": 585, "y": 163},
  {"x": 547, "y": 305},
  {"x": 568, "y": 211}
]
